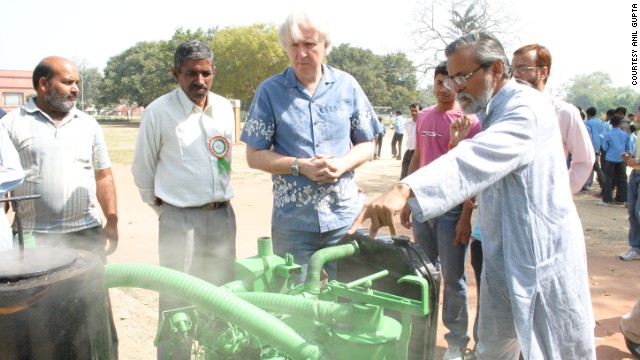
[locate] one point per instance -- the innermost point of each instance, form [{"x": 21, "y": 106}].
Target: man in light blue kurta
[{"x": 534, "y": 293}]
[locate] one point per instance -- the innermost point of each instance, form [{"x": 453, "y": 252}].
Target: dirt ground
[{"x": 135, "y": 310}]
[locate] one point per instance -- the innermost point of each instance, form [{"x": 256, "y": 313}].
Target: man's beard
[
  {"x": 478, "y": 104},
  {"x": 535, "y": 83},
  {"x": 59, "y": 101}
]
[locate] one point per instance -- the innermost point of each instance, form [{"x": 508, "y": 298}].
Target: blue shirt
[
  {"x": 615, "y": 143},
  {"x": 594, "y": 127},
  {"x": 606, "y": 127},
  {"x": 398, "y": 125},
  {"x": 476, "y": 234},
  {"x": 284, "y": 117}
]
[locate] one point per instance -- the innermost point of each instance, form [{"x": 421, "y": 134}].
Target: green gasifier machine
[{"x": 383, "y": 305}]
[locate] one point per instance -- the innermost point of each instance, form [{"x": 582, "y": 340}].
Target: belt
[{"x": 210, "y": 206}]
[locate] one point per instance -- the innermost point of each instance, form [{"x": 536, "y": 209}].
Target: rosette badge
[{"x": 219, "y": 147}]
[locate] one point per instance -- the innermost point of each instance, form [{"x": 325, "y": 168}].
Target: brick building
[{"x": 15, "y": 87}]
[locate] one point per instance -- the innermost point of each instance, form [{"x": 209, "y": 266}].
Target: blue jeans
[
  {"x": 302, "y": 244},
  {"x": 633, "y": 203},
  {"x": 436, "y": 238}
]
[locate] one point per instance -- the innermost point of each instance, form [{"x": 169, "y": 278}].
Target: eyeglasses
[
  {"x": 458, "y": 81},
  {"x": 523, "y": 68}
]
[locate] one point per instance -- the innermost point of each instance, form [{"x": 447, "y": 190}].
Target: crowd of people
[{"x": 494, "y": 143}]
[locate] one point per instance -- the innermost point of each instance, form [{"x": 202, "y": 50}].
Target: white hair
[{"x": 290, "y": 29}]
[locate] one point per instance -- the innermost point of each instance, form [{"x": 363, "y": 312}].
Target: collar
[
  {"x": 291, "y": 81},
  {"x": 189, "y": 106},
  {"x": 31, "y": 107},
  {"x": 498, "y": 99}
]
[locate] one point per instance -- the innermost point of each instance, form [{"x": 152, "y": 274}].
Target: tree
[
  {"x": 440, "y": 22},
  {"x": 138, "y": 75},
  {"x": 246, "y": 56},
  {"x": 388, "y": 80},
  {"x": 596, "y": 90},
  {"x": 142, "y": 73},
  {"x": 426, "y": 96},
  {"x": 203, "y": 35},
  {"x": 400, "y": 78},
  {"x": 365, "y": 67},
  {"x": 90, "y": 83}
]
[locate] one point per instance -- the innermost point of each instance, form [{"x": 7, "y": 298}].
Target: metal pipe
[{"x": 15, "y": 200}]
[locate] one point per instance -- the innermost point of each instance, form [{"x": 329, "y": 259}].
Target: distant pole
[
  {"x": 82, "y": 87},
  {"x": 82, "y": 93},
  {"x": 236, "y": 112}
]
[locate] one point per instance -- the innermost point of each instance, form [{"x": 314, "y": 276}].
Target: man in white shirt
[
  {"x": 410, "y": 129},
  {"x": 398, "y": 133},
  {"x": 182, "y": 169}
]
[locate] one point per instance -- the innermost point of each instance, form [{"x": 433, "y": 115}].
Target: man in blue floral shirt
[{"x": 310, "y": 126}]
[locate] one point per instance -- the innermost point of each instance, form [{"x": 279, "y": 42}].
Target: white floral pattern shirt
[{"x": 286, "y": 119}]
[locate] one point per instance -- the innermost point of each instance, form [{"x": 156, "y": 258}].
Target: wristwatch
[{"x": 295, "y": 169}]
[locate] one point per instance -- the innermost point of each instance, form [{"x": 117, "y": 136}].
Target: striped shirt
[{"x": 60, "y": 164}]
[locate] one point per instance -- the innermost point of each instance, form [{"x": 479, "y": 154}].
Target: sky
[{"x": 583, "y": 36}]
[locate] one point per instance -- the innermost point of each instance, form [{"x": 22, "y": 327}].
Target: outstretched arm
[{"x": 382, "y": 210}]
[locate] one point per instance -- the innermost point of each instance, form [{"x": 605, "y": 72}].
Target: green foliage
[
  {"x": 388, "y": 80},
  {"x": 399, "y": 71},
  {"x": 142, "y": 73},
  {"x": 138, "y": 75},
  {"x": 90, "y": 83},
  {"x": 596, "y": 90},
  {"x": 426, "y": 96},
  {"x": 246, "y": 56},
  {"x": 203, "y": 35}
]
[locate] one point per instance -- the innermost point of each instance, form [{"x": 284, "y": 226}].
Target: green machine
[{"x": 265, "y": 315}]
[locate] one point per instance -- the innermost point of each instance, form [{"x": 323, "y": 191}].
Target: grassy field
[{"x": 121, "y": 140}]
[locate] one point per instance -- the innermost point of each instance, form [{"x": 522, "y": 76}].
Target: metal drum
[{"x": 53, "y": 305}]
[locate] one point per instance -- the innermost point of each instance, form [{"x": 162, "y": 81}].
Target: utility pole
[{"x": 82, "y": 86}]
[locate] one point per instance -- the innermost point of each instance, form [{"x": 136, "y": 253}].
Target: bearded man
[{"x": 534, "y": 296}]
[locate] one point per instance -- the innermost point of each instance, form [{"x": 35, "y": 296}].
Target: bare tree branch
[{"x": 440, "y": 22}]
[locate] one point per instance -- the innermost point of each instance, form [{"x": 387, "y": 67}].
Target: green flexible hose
[
  {"x": 214, "y": 300},
  {"x": 310, "y": 308},
  {"x": 312, "y": 283}
]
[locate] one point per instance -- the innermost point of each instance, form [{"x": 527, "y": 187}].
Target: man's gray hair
[
  {"x": 190, "y": 50},
  {"x": 487, "y": 49},
  {"x": 289, "y": 32}
]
